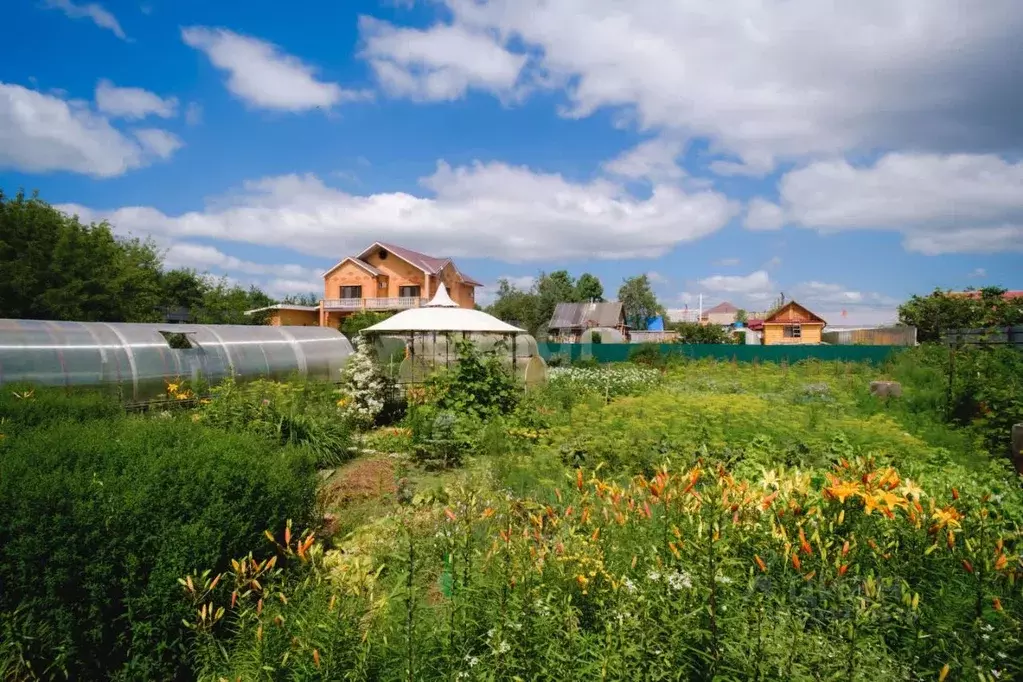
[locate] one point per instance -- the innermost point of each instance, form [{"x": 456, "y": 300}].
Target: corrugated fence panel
[
  {"x": 994, "y": 336},
  {"x": 619, "y": 352}
]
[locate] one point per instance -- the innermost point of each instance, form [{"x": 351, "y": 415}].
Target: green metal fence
[{"x": 619, "y": 352}]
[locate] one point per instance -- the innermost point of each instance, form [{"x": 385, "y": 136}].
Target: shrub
[
  {"x": 99, "y": 520},
  {"x": 287, "y": 414},
  {"x": 557, "y": 360},
  {"x": 586, "y": 362},
  {"x": 23, "y": 406},
  {"x": 694, "y": 332},
  {"x": 364, "y": 387},
  {"x": 479, "y": 384}
]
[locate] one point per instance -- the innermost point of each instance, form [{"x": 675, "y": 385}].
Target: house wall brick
[
  {"x": 347, "y": 275},
  {"x": 294, "y": 318}
]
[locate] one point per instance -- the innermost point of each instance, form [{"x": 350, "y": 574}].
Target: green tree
[
  {"x": 694, "y": 332},
  {"x": 639, "y": 301},
  {"x": 940, "y": 311},
  {"x": 588, "y": 288},
  {"x": 353, "y": 325},
  {"x": 183, "y": 288},
  {"x": 226, "y": 303},
  {"x": 741, "y": 316},
  {"x": 309, "y": 299},
  {"x": 56, "y": 268},
  {"x": 517, "y": 307}
]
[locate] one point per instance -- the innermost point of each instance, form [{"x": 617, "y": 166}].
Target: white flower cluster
[
  {"x": 611, "y": 380},
  {"x": 676, "y": 580},
  {"x": 363, "y": 386}
]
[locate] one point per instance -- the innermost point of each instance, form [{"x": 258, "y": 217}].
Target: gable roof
[
  {"x": 576, "y": 315},
  {"x": 428, "y": 264},
  {"x": 788, "y": 313},
  {"x": 724, "y": 307},
  {"x": 361, "y": 263}
]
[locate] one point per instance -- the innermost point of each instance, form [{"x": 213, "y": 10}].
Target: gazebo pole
[{"x": 515, "y": 355}]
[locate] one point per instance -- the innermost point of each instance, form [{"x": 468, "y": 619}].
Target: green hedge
[
  {"x": 25, "y": 407},
  {"x": 98, "y": 520}
]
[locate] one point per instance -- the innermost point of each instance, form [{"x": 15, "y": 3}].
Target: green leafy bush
[
  {"x": 285, "y": 413},
  {"x": 25, "y": 407},
  {"x": 479, "y": 384},
  {"x": 99, "y": 520}
]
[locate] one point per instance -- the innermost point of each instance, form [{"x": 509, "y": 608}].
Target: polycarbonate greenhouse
[{"x": 142, "y": 358}]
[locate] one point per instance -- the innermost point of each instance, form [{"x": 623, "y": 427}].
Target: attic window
[
  {"x": 177, "y": 340},
  {"x": 382, "y": 254}
]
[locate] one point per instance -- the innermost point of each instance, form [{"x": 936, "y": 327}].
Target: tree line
[
  {"x": 533, "y": 308},
  {"x": 57, "y": 268}
]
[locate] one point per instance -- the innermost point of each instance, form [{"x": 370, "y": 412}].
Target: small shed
[
  {"x": 571, "y": 321},
  {"x": 793, "y": 324}
]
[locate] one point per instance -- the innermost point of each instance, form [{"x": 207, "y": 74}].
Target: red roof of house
[
  {"x": 724, "y": 307},
  {"x": 424, "y": 262}
]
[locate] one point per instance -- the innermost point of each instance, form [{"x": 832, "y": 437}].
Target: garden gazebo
[{"x": 425, "y": 335}]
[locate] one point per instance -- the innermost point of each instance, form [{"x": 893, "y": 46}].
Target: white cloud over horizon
[
  {"x": 958, "y": 203},
  {"x": 486, "y": 210}
]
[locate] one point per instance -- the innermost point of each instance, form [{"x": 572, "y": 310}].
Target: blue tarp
[{"x": 655, "y": 324}]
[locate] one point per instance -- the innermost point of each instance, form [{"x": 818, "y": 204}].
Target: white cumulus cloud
[
  {"x": 764, "y": 80},
  {"x": 260, "y": 74},
  {"x": 133, "y": 103},
  {"x": 438, "y": 64},
  {"x": 954, "y": 203},
  {"x": 41, "y": 133},
  {"x": 491, "y": 210}
]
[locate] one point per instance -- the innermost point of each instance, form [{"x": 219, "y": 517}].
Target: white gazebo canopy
[{"x": 443, "y": 315}]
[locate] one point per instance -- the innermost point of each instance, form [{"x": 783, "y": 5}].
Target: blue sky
[{"x": 847, "y": 157}]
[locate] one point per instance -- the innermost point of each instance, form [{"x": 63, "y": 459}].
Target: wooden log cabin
[{"x": 793, "y": 324}]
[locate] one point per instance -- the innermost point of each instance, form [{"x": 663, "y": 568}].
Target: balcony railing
[{"x": 398, "y": 303}]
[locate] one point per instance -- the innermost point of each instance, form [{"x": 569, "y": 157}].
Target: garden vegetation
[{"x": 655, "y": 520}]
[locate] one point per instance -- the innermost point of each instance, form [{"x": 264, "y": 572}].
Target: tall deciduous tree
[
  {"x": 639, "y": 301},
  {"x": 57, "y": 268},
  {"x": 588, "y": 288}
]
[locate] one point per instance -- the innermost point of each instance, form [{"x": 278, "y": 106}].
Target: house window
[
  {"x": 351, "y": 292},
  {"x": 408, "y": 292},
  {"x": 793, "y": 331}
]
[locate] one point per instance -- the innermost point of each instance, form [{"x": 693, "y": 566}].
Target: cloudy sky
[{"x": 847, "y": 154}]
